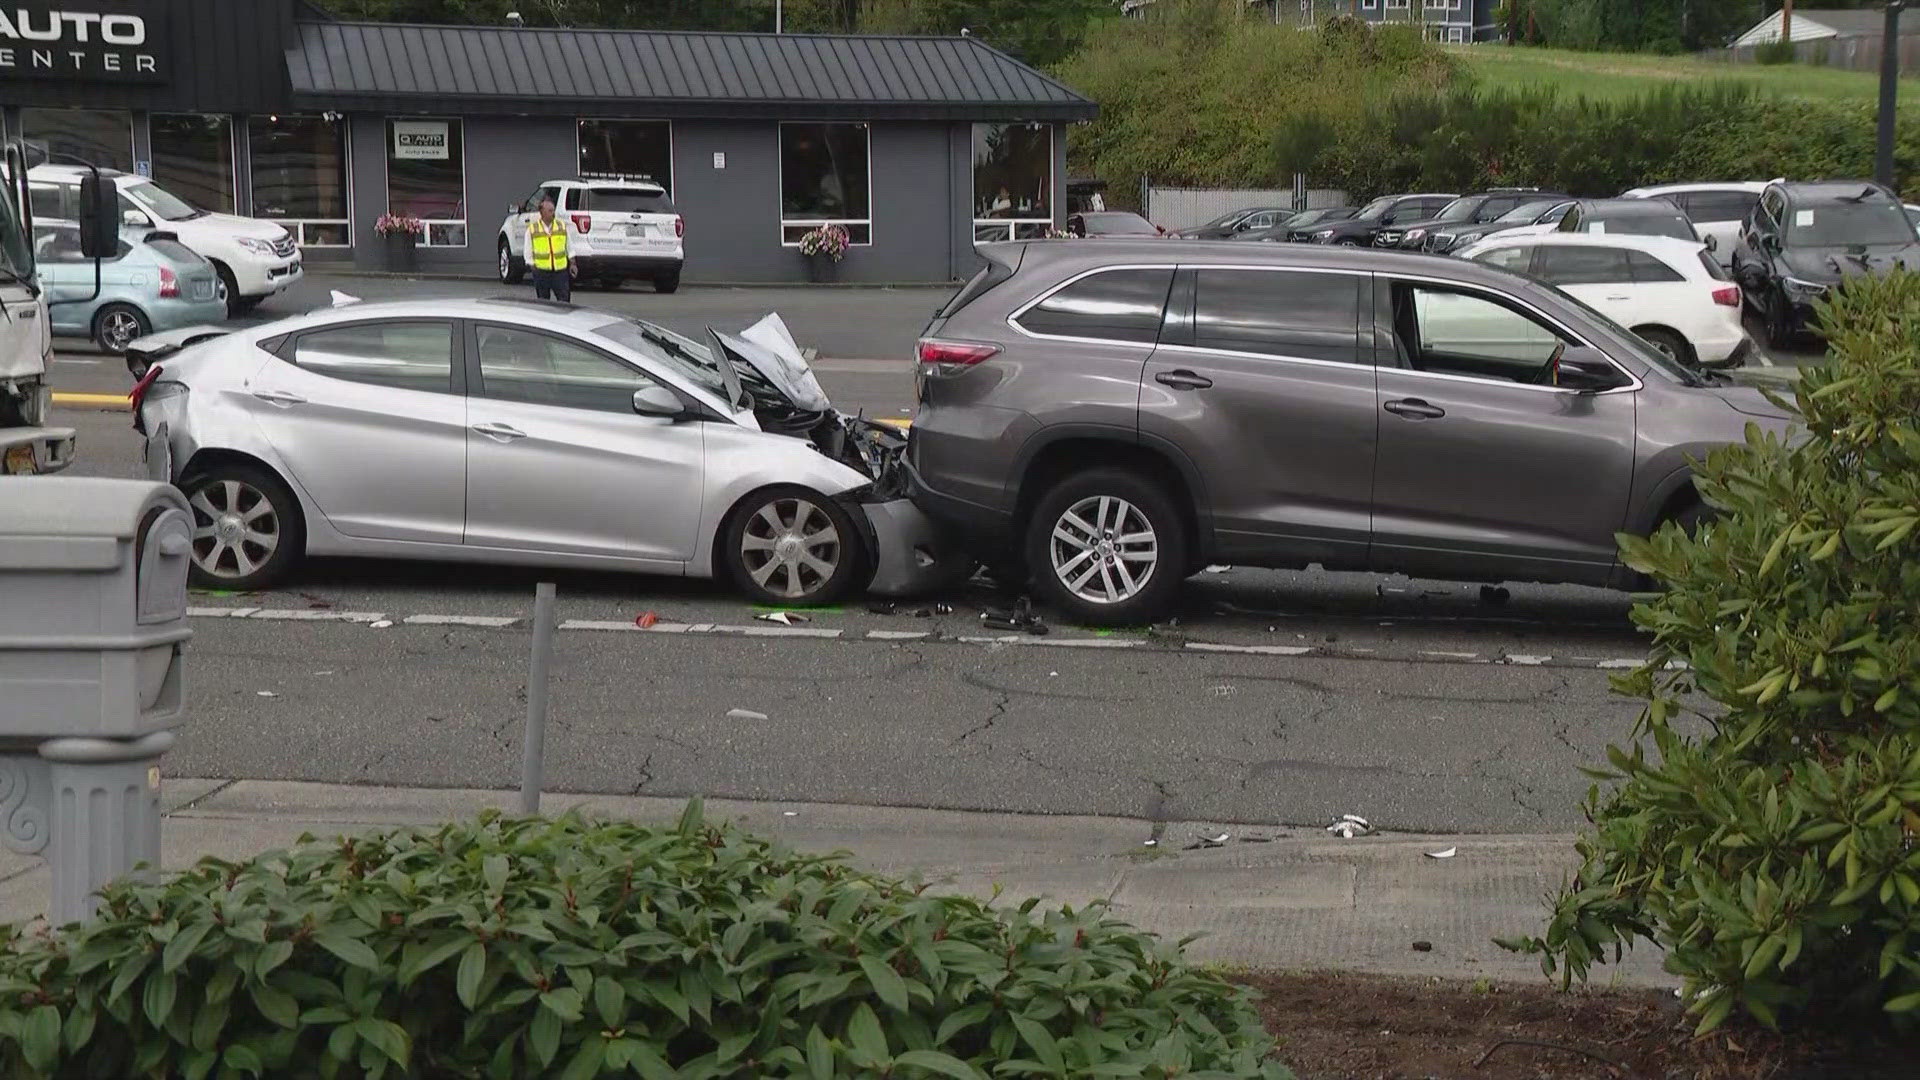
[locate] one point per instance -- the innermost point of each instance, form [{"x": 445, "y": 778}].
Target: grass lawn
[{"x": 1620, "y": 75}]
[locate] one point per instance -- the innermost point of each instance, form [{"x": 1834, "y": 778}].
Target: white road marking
[
  {"x": 1063, "y": 643},
  {"x": 208, "y": 612},
  {"x": 1620, "y": 664},
  {"x": 494, "y": 622},
  {"x": 1255, "y": 650},
  {"x": 770, "y": 631},
  {"x": 1450, "y": 655},
  {"x": 74, "y": 360},
  {"x": 1529, "y": 661},
  {"x": 896, "y": 635},
  {"x": 313, "y": 615},
  {"x": 597, "y": 624}
]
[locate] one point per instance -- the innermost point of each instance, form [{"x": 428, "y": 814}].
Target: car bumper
[
  {"x": 630, "y": 265},
  {"x": 31, "y": 451},
  {"x": 1724, "y": 349},
  {"x": 267, "y": 278},
  {"x": 977, "y": 524},
  {"x": 913, "y": 554}
]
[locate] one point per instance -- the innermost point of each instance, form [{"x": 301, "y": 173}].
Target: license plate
[
  {"x": 20, "y": 461},
  {"x": 640, "y": 232}
]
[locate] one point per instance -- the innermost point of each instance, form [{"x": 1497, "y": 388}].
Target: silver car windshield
[{"x": 680, "y": 354}]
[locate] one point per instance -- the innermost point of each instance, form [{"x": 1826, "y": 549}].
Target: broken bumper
[{"x": 912, "y": 554}]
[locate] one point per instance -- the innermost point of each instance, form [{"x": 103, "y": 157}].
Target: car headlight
[
  {"x": 1323, "y": 236},
  {"x": 1414, "y": 234},
  {"x": 1805, "y": 290},
  {"x": 258, "y": 247}
]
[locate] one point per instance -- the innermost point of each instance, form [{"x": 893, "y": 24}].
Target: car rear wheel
[
  {"x": 1779, "y": 325},
  {"x": 1668, "y": 342},
  {"x": 1107, "y": 547},
  {"x": 512, "y": 270},
  {"x": 247, "y": 531},
  {"x": 118, "y": 325},
  {"x": 667, "y": 283},
  {"x": 792, "y": 546}
]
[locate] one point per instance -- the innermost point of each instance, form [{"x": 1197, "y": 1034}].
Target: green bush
[
  {"x": 531, "y": 948},
  {"x": 1775, "y": 52},
  {"x": 1770, "y": 841}
]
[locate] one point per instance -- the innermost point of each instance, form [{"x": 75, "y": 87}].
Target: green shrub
[
  {"x": 528, "y": 948},
  {"x": 1775, "y": 52},
  {"x": 1770, "y": 843}
]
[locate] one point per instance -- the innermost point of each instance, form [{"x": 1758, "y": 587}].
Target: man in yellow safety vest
[{"x": 547, "y": 254}]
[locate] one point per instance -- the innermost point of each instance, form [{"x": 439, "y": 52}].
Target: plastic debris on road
[
  {"x": 745, "y": 714},
  {"x": 265, "y": 693},
  {"x": 1021, "y": 619},
  {"x": 1423, "y": 946},
  {"x": 882, "y": 607},
  {"x": 1214, "y": 841},
  {"x": 1150, "y": 843},
  {"x": 1447, "y": 854},
  {"x": 1350, "y": 826},
  {"x": 646, "y": 620},
  {"x": 340, "y": 299},
  {"x": 789, "y": 813},
  {"x": 784, "y": 618},
  {"x": 1218, "y": 568},
  {"x": 380, "y": 624}
]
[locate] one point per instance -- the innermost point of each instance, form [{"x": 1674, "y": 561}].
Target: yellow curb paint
[{"x": 92, "y": 401}]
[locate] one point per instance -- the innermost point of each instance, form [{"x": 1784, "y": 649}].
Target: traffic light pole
[{"x": 1889, "y": 93}]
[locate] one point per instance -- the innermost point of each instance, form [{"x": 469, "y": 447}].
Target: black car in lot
[
  {"x": 1547, "y": 211},
  {"x": 1235, "y": 222},
  {"x": 1382, "y": 213},
  {"x": 1296, "y": 227},
  {"x": 1635, "y": 217},
  {"x": 1467, "y": 210},
  {"x": 1804, "y": 239}
]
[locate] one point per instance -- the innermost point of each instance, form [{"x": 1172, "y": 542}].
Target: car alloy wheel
[
  {"x": 506, "y": 264},
  {"x": 119, "y": 327},
  {"x": 791, "y": 548},
  {"x": 1104, "y": 550},
  {"x": 236, "y": 530}
]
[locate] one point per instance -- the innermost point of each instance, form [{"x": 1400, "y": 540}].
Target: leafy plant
[
  {"x": 1770, "y": 843},
  {"x": 568, "y": 948},
  {"x": 831, "y": 241}
]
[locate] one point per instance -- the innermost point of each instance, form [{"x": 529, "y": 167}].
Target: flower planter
[
  {"x": 821, "y": 269},
  {"x": 402, "y": 252}
]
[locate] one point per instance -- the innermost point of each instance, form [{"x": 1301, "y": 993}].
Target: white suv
[
  {"x": 620, "y": 229},
  {"x": 1717, "y": 208},
  {"x": 255, "y": 259}
]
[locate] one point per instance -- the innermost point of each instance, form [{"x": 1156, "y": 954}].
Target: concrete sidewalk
[{"x": 1296, "y": 899}]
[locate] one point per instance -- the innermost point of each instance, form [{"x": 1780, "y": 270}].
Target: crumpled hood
[
  {"x": 1830, "y": 264},
  {"x": 769, "y": 349}
]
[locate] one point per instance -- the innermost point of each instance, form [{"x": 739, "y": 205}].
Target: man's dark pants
[{"x": 553, "y": 285}]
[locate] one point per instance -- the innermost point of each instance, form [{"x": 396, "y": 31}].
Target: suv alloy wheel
[{"x": 1107, "y": 547}]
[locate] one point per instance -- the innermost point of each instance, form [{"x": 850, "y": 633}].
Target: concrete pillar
[{"x": 106, "y": 816}]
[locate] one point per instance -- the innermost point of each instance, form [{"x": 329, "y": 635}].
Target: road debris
[
  {"x": 1447, "y": 854},
  {"x": 1350, "y": 826},
  {"x": 1221, "y": 691},
  {"x": 1423, "y": 946},
  {"x": 784, "y": 618},
  {"x": 1150, "y": 842},
  {"x": 1494, "y": 594},
  {"x": 1020, "y": 619},
  {"x": 380, "y": 624},
  {"x": 745, "y": 714},
  {"x": 1218, "y": 568},
  {"x": 789, "y": 813},
  {"x": 265, "y": 693},
  {"x": 646, "y": 620},
  {"x": 323, "y": 673},
  {"x": 882, "y": 607}
]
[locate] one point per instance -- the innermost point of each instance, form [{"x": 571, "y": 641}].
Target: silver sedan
[{"x": 520, "y": 431}]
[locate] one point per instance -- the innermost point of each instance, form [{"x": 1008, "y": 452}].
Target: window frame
[
  {"x": 780, "y": 185},
  {"x": 1012, "y": 226},
  {"x": 289, "y": 347},
  {"x": 1186, "y": 295},
  {"x": 673, "y": 149},
  {"x": 298, "y": 226},
  {"x": 476, "y": 379},
  {"x": 1385, "y": 330},
  {"x": 1173, "y": 271},
  {"x": 426, "y": 236},
  {"x": 233, "y": 153}
]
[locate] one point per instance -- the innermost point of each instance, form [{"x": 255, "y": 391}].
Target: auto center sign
[{"x": 92, "y": 42}]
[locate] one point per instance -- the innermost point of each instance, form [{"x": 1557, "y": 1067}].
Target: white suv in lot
[
  {"x": 620, "y": 229},
  {"x": 1716, "y": 208},
  {"x": 255, "y": 259}
]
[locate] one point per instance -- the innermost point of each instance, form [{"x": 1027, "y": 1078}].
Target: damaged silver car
[{"x": 526, "y": 432}]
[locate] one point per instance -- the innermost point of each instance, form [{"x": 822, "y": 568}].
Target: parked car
[
  {"x": 1467, "y": 210},
  {"x": 621, "y": 230},
  {"x": 1124, "y": 414},
  {"x": 1236, "y": 222},
  {"x": 148, "y": 284},
  {"x": 528, "y": 432},
  {"x": 254, "y": 259},
  {"x": 1540, "y": 215},
  {"x": 1111, "y": 223},
  {"x": 1670, "y": 292},
  {"x": 1387, "y": 210},
  {"x": 1716, "y": 209},
  {"x": 1638, "y": 217},
  {"x": 1805, "y": 238}
]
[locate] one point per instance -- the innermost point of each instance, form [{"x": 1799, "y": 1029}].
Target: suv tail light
[
  {"x": 169, "y": 283},
  {"x": 679, "y": 225},
  {"x": 949, "y": 357},
  {"x": 1727, "y": 296},
  {"x": 583, "y": 222}
]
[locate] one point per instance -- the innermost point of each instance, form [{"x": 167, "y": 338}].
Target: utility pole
[
  {"x": 1889, "y": 92},
  {"x": 1786, "y": 21}
]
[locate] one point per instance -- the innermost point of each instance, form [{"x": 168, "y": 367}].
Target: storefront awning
[{"x": 485, "y": 70}]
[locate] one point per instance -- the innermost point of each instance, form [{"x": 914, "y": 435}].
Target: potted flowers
[
  {"x": 824, "y": 246},
  {"x": 400, "y": 232}
]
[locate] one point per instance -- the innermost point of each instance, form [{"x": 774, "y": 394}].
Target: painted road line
[
  {"x": 1444, "y": 655},
  {"x": 311, "y": 615},
  {"x": 1255, "y": 650},
  {"x": 774, "y": 631},
  {"x": 92, "y": 401},
  {"x": 896, "y": 635},
  {"x": 612, "y": 625},
  {"x": 1053, "y": 642},
  {"x": 1524, "y": 660},
  {"x": 1619, "y": 664},
  {"x": 209, "y": 612},
  {"x": 493, "y": 622}
]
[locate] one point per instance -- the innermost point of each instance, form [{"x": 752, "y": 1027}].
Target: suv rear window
[
  {"x": 1113, "y": 305},
  {"x": 624, "y": 201}
]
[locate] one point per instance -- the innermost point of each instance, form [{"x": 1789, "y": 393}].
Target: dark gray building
[{"x": 271, "y": 109}]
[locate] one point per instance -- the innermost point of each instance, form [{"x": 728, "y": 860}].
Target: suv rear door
[
  {"x": 626, "y": 220},
  {"x": 1261, "y": 380}
]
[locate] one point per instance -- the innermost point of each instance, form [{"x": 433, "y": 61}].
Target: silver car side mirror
[
  {"x": 135, "y": 218},
  {"x": 658, "y": 401}
]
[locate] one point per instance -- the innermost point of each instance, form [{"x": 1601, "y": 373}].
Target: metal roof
[{"x": 538, "y": 71}]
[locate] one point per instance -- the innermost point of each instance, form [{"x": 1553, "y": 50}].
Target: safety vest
[{"x": 547, "y": 246}]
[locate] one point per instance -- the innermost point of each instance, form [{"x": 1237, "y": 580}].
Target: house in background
[
  {"x": 1823, "y": 25},
  {"x": 1442, "y": 20}
]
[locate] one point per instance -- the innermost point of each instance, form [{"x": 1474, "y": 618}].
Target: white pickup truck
[{"x": 27, "y": 445}]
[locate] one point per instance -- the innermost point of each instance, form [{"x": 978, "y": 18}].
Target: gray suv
[{"x": 1112, "y": 417}]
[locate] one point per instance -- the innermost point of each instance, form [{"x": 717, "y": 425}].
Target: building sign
[
  {"x": 88, "y": 40},
  {"x": 420, "y": 140}
]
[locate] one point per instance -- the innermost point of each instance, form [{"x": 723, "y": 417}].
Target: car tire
[
  {"x": 667, "y": 283},
  {"x": 1123, "y": 504},
  {"x": 1667, "y": 341},
  {"x": 512, "y": 268},
  {"x": 116, "y": 326},
  {"x": 1779, "y": 329},
  {"x": 1693, "y": 516},
  {"x": 235, "y": 305},
  {"x": 1348, "y": 242},
  {"x": 236, "y": 545},
  {"x": 777, "y": 540}
]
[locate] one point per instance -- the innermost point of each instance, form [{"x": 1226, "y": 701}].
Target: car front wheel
[
  {"x": 1779, "y": 322},
  {"x": 117, "y": 326},
  {"x": 512, "y": 270},
  {"x": 1107, "y": 547},
  {"x": 247, "y": 531},
  {"x": 792, "y": 546}
]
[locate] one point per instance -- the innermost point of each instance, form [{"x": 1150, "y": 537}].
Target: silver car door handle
[
  {"x": 279, "y": 397},
  {"x": 500, "y": 432}
]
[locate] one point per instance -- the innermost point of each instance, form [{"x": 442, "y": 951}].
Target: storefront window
[
  {"x": 193, "y": 158},
  {"x": 426, "y": 178},
  {"x": 1012, "y": 181},
  {"x": 300, "y": 176},
  {"x": 101, "y": 136},
  {"x": 824, "y": 180},
  {"x": 630, "y": 149}
]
